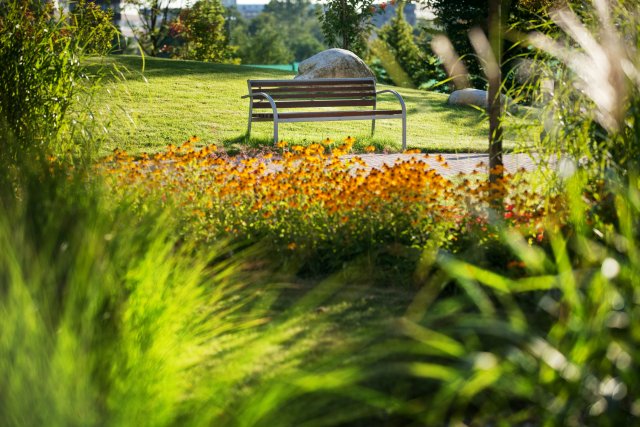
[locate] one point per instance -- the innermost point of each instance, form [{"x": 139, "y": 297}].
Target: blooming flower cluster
[{"x": 313, "y": 198}]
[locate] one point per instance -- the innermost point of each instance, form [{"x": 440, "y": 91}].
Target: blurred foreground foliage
[{"x": 121, "y": 302}]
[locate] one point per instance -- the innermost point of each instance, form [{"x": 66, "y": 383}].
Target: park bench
[{"x": 315, "y": 100}]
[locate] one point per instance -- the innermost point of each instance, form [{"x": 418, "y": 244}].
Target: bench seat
[
  {"x": 329, "y": 115},
  {"x": 319, "y": 98}
]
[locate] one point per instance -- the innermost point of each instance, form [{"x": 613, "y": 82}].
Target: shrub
[
  {"x": 93, "y": 27},
  {"x": 40, "y": 50},
  {"x": 558, "y": 345},
  {"x": 201, "y": 28}
]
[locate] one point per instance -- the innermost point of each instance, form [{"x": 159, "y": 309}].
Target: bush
[
  {"x": 201, "y": 29},
  {"x": 93, "y": 27},
  {"x": 40, "y": 50}
]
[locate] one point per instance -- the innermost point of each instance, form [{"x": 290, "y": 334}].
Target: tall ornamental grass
[
  {"x": 42, "y": 78},
  {"x": 558, "y": 346}
]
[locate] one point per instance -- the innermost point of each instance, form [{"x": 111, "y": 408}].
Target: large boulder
[
  {"x": 477, "y": 97},
  {"x": 333, "y": 63}
]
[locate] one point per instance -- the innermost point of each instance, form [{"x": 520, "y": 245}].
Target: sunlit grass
[{"x": 177, "y": 99}]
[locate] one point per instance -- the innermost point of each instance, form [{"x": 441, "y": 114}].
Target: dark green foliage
[
  {"x": 93, "y": 27},
  {"x": 347, "y": 24},
  {"x": 155, "y": 18},
  {"x": 203, "y": 33},
  {"x": 40, "y": 52},
  {"x": 422, "y": 67},
  {"x": 457, "y": 17},
  {"x": 298, "y": 21},
  {"x": 285, "y": 31},
  {"x": 264, "y": 43}
]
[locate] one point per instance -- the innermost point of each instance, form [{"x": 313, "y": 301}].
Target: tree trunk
[{"x": 496, "y": 167}]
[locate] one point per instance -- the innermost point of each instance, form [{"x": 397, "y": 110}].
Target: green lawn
[{"x": 168, "y": 100}]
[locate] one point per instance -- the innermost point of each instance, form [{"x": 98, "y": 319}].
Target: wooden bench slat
[
  {"x": 322, "y": 103},
  {"x": 303, "y": 89},
  {"x": 319, "y": 95},
  {"x": 326, "y": 114},
  {"x": 320, "y": 82}
]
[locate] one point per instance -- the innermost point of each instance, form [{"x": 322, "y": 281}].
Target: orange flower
[
  {"x": 292, "y": 246},
  {"x": 370, "y": 149}
]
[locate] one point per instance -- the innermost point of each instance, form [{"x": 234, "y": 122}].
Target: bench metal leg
[
  {"x": 250, "y": 115},
  {"x": 275, "y": 131},
  {"x": 404, "y": 131},
  {"x": 373, "y": 122}
]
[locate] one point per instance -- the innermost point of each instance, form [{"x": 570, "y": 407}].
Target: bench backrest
[{"x": 315, "y": 93}]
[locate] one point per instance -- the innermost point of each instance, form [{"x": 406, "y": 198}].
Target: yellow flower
[
  {"x": 292, "y": 246},
  {"x": 370, "y": 149},
  {"x": 327, "y": 141},
  {"x": 281, "y": 144},
  {"x": 349, "y": 140}
]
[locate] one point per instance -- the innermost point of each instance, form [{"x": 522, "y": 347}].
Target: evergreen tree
[{"x": 422, "y": 67}]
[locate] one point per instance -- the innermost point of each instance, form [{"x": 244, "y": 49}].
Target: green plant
[
  {"x": 41, "y": 75},
  {"x": 554, "y": 342},
  {"x": 347, "y": 24},
  {"x": 422, "y": 67},
  {"x": 299, "y": 23},
  {"x": 265, "y": 43},
  {"x": 155, "y": 18},
  {"x": 93, "y": 27},
  {"x": 597, "y": 123},
  {"x": 202, "y": 30}
]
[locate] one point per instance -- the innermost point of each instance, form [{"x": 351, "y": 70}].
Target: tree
[
  {"x": 264, "y": 43},
  {"x": 299, "y": 22},
  {"x": 457, "y": 17},
  {"x": 347, "y": 24},
  {"x": 201, "y": 29},
  {"x": 399, "y": 38},
  {"x": 155, "y": 17}
]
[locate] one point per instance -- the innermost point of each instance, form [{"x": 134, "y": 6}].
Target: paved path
[{"x": 458, "y": 163}]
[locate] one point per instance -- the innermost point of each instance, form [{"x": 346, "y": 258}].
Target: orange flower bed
[{"x": 310, "y": 199}]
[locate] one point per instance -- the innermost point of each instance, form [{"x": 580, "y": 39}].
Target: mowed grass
[{"x": 154, "y": 102}]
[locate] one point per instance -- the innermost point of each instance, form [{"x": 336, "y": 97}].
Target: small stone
[{"x": 476, "y": 97}]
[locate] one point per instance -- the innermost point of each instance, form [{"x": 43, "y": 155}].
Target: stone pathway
[{"x": 458, "y": 163}]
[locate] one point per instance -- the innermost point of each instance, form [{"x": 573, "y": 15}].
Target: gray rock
[
  {"x": 333, "y": 63},
  {"x": 476, "y": 97}
]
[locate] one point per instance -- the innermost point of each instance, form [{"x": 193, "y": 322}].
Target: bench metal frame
[{"x": 323, "y": 115}]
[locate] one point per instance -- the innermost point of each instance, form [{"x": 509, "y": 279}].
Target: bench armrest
[
  {"x": 268, "y": 98},
  {"x": 397, "y": 95}
]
